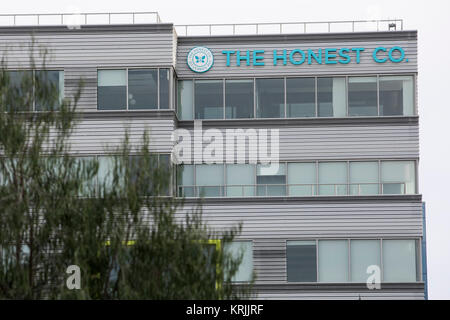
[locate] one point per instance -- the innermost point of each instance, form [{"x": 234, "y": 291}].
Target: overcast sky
[{"x": 431, "y": 18}]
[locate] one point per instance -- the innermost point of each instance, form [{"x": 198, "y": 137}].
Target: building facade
[{"x": 342, "y": 203}]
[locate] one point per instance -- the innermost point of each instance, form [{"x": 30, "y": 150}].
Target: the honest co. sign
[{"x": 201, "y": 59}]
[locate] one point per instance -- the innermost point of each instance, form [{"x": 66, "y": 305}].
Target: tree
[{"x": 121, "y": 229}]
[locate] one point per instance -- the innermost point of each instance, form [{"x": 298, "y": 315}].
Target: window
[
  {"x": 331, "y": 97},
  {"x": 208, "y": 99},
  {"x": 164, "y": 78},
  {"x": 333, "y": 260},
  {"x": 364, "y": 178},
  {"x": 398, "y": 177},
  {"x": 186, "y": 186},
  {"x": 105, "y": 172},
  {"x": 238, "y": 99},
  {"x": 31, "y": 79},
  {"x": 185, "y": 99},
  {"x": 399, "y": 261},
  {"x": 302, "y": 179},
  {"x": 244, "y": 248},
  {"x": 396, "y": 96},
  {"x": 332, "y": 178},
  {"x": 112, "y": 90},
  {"x": 210, "y": 180},
  {"x": 364, "y": 253},
  {"x": 270, "y": 98},
  {"x": 54, "y": 79},
  {"x": 347, "y": 260},
  {"x": 133, "y": 89},
  {"x": 142, "y": 89},
  {"x": 301, "y": 261},
  {"x": 300, "y": 97},
  {"x": 240, "y": 180},
  {"x": 271, "y": 180},
  {"x": 362, "y": 96}
]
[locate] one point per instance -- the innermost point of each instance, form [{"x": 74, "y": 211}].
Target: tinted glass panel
[
  {"x": 396, "y": 96},
  {"x": 270, "y": 98},
  {"x": 331, "y": 97},
  {"x": 238, "y": 99},
  {"x": 362, "y": 96},
  {"x": 364, "y": 178},
  {"x": 332, "y": 178},
  {"x": 271, "y": 180},
  {"x": 18, "y": 81},
  {"x": 301, "y": 261},
  {"x": 185, "y": 99},
  {"x": 364, "y": 253},
  {"x": 208, "y": 99},
  {"x": 301, "y": 97},
  {"x": 142, "y": 89},
  {"x": 53, "y": 79},
  {"x": 112, "y": 90},
  {"x": 164, "y": 88},
  {"x": 302, "y": 179},
  {"x": 240, "y": 180},
  {"x": 398, "y": 177},
  {"x": 399, "y": 260},
  {"x": 333, "y": 260},
  {"x": 244, "y": 248}
]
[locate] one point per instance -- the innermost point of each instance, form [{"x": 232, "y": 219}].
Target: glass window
[
  {"x": 302, "y": 179},
  {"x": 54, "y": 79},
  {"x": 18, "y": 81},
  {"x": 399, "y": 261},
  {"x": 238, "y": 99},
  {"x": 142, "y": 89},
  {"x": 332, "y": 178},
  {"x": 362, "y": 96},
  {"x": 364, "y": 253},
  {"x": 186, "y": 186},
  {"x": 209, "y": 178},
  {"x": 112, "y": 90},
  {"x": 364, "y": 178},
  {"x": 164, "y": 77},
  {"x": 185, "y": 99},
  {"x": 333, "y": 260},
  {"x": 398, "y": 177},
  {"x": 396, "y": 96},
  {"x": 301, "y": 261},
  {"x": 301, "y": 97},
  {"x": 208, "y": 99},
  {"x": 271, "y": 179},
  {"x": 270, "y": 98},
  {"x": 240, "y": 180},
  {"x": 331, "y": 97},
  {"x": 244, "y": 248}
]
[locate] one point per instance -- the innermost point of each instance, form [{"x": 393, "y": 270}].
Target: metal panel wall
[
  {"x": 317, "y": 142},
  {"x": 80, "y": 52}
]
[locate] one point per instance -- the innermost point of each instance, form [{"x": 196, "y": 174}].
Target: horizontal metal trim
[
  {"x": 289, "y": 287},
  {"x": 149, "y": 27},
  {"x": 129, "y": 114},
  {"x": 316, "y": 199},
  {"x": 311, "y": 37},
  {"x": 259, "y": 123}
]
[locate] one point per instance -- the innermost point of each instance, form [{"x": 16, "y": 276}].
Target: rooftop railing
[
  {"x": 91, "y": 18},
  {"x": 288, "y": 27}
]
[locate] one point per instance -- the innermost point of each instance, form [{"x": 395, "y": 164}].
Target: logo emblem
[{"x": 200, "y": 59}]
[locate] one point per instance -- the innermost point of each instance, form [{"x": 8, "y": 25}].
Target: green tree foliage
[{"x": 123, "y": 231}]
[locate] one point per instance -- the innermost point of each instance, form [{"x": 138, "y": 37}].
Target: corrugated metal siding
[
  {"x": 366, "y": 65},
  {"x": 81, "y": 52},
  {"x": 300, "y": 220},
  {"x": 343, "y": 142},
  {"x": 91, "y": 136}
]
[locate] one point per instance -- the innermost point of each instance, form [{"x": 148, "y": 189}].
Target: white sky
[{"x": 431, "y": 18}]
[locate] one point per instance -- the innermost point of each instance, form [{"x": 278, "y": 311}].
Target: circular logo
[{"x": 200, "y": 59}]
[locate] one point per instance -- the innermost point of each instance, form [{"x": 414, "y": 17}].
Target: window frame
[{"x": 172, "y": 78}]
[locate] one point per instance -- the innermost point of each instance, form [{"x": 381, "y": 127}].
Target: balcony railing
[
  {"x": 292, "y": 190},
  {"x": 78, "y": 19},
  {"x": 288, "y": 27}
]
